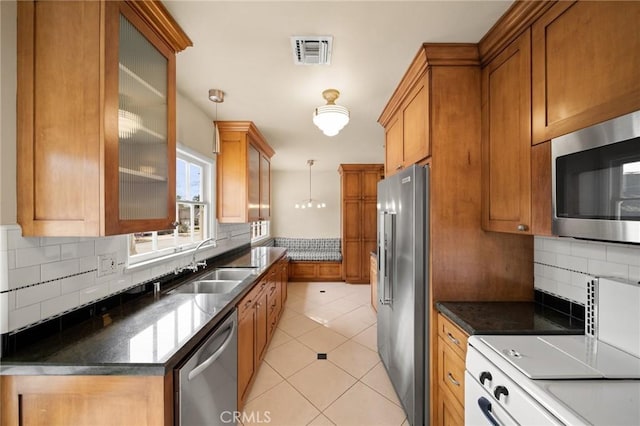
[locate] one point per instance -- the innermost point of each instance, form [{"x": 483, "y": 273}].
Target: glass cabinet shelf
[
  {"x": 135, "y": 87},
  {"x": 130, "y": 175}
]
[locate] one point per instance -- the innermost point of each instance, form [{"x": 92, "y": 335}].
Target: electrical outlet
[{"x": 107, "y": 264}]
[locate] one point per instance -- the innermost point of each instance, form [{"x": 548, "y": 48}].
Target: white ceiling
[{"x": 244, "y": 49}]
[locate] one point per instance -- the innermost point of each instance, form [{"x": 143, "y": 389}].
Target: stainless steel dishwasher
[{"x": 207, "y": 380}]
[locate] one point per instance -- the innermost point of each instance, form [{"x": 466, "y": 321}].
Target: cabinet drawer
[
  {"x": 273, "y": 300},
  {"x": 452, "y": 336},
  {"x": 246, "y": 303},
  {"x": 450, "y": 370}
]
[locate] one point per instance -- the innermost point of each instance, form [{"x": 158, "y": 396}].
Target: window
[
  {"x": 194, "y": 211},
  {"x": 259, "y": 230}
]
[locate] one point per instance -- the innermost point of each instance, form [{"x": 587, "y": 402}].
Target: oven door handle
[
  {"x": 203, "y": 366},
  {"x": 485, "y": 406}
]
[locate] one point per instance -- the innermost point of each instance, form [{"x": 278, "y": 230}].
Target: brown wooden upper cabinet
[
  {"x": 406, "y": 119},
  {"x": 96, "y": 105},
  {"x": 243, "y": 173},
  {"x": 585, "y": 65},
  {"x": 506, "y": 139}
]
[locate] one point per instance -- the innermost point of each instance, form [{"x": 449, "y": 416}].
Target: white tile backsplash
[
  {"x": 22, "y": 317},
  {"x": 37, "y": 255},
  {"x": 589, "y": 250},
  {"x": 563, "y": 266},
  {"x": 628, "y": 255},
  {"x": 21, "y": 277},
  {"x": 16, "y": 240},
  {"x": 59, "y": 304},
  {"x": 37, "y": 293},
  {"x": 93, "y": 293},
  {"x": 57, "y": 270},
  {"x": 76, "y": 283},
  {"x": 76, "y": 250},
  {"x": 43, "y": 277},
  {"x": 602, "y": 268}
]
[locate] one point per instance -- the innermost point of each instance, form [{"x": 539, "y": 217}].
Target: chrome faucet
[{"x": 194, "y": 265}]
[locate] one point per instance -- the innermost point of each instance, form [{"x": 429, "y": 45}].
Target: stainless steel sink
[
  {"x": 208, "y": 286},
  {"x": 229, "y": 274}
]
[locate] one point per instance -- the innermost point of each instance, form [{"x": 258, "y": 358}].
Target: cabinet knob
[
  {"x": 399, "y": 166},
  {"x": 522, "y": 227},
  {"x": 499, "y": 391},
  {"x": 485, "y": 375}
]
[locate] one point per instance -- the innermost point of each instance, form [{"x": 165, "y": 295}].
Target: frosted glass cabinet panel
[{"x": 142, "y": 126}]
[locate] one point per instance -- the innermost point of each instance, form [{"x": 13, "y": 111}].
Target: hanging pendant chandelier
[
  {"x": 216, "y": 96},
  {"x": 331, "y": 118},
  {"x": 310, "y": 203}
]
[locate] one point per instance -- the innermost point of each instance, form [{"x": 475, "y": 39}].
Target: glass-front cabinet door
[{"x": 146, "y": 135}]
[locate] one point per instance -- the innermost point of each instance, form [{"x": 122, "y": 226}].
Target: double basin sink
[{"x": 218, "y": 281}]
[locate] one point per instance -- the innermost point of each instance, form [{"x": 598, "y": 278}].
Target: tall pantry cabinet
[
  {"x": 359, "y": 189},
  {"x": 96, "y": 110}
]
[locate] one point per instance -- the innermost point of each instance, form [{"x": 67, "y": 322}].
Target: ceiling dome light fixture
[
  {"x": 310, "y": 202},
  {"x": 331, "y": 118}
]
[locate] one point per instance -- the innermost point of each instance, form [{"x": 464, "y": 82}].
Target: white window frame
[
  {"x": 208, "y": 191},
  {"x": 260, "y": 230}
]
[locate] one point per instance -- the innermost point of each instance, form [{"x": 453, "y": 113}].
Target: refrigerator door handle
[{"x": 388, "y": 247}]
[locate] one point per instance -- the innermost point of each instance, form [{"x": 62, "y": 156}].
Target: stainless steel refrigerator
[{"x": 403, "y": 271}]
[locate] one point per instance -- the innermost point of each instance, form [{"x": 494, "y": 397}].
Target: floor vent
[{"x": 312, "y": 50}]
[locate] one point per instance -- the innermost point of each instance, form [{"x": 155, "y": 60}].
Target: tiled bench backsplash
[
  {"x": 41, "y": 278},
  {"x": 563, "y": 266}
]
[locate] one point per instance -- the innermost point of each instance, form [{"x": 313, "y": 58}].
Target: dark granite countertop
[
  {"x": 509, "y": 318},
  {"x": 148, "y": 336}
]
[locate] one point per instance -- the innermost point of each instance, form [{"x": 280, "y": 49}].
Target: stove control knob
[
  {"x": 485, "y": 375},
  {"x": 499, "y": 391}
]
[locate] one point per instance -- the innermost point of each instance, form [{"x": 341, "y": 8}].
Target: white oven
[{"x": 554, "y": 380}]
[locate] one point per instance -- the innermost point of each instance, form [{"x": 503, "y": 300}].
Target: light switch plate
[{"x": 107, "y": 264}]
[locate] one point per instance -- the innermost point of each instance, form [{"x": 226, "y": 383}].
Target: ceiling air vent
[{"x": 312, "y": 50}]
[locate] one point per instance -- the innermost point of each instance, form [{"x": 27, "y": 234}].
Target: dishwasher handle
[{"x": 203, "y": 366}]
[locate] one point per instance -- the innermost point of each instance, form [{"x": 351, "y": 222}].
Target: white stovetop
[
  {"x": 573, "y": 401},
  {"x": 565, "y": 357}
]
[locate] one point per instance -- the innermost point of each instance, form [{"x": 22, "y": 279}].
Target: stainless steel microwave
[{"x": 596, "y": 181}]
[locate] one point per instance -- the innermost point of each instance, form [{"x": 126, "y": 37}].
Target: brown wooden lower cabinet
[
  {"x": 258, "y": 315},
  {"x": 82, "y": 400},
  {"x": 315, "y": 271},
  {"x": 450, "y": 412},
  {"x": 452, "y": 349}
]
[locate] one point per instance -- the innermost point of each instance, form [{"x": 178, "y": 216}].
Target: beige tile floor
[{"x": 349, "y": 388}]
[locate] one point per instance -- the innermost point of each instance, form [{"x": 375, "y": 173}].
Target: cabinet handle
[
  {"x": 522, "y": 227},
  {"x": 452, "y": 380},
  {"x": 399, "y": 166},
  {"x": 453, "y": 339},
  {"x": 247, "y": 304}
]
